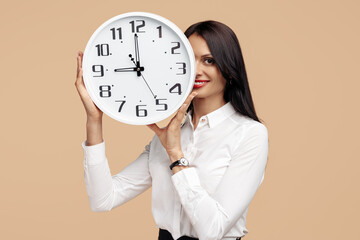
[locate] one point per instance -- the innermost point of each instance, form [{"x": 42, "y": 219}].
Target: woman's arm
[
  {"x": 94, "y": 131},
  {"x": 93, "y": 113},
  {"x": 106, "y": 192},
  {"x": 214, "y": 215}
]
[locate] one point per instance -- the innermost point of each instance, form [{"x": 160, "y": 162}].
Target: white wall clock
[{"x": 138, "y": 68}]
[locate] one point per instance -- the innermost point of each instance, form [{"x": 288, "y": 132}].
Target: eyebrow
[{"x": 206, "y": 55}]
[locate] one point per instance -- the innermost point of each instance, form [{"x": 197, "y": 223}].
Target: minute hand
[{"x": 137, "y": 55}]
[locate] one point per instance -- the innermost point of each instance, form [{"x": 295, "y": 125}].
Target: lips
[{"x": 200, "y": 83}]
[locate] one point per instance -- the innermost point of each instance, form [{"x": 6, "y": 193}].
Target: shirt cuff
[
  {"x": 94, "y": 154},
  {"x": 187, "y": 184},
  {"x": 189, "y": 175}
]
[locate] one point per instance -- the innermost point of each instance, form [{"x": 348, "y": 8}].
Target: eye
[{"x": 209, "y": 61}]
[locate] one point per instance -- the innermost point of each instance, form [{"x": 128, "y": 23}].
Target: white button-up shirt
[{"x": 209, "y": 200}]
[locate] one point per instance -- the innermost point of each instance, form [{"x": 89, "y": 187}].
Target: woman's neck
[{"x": 203, "y": 106}]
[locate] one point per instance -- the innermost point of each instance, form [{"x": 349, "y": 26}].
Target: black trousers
[{"x": 165, "y": 235}]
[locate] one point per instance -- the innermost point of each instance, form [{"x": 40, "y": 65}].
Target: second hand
[
  {"x": 132, "y": 59},
  {"x": 148, "y": 86}
]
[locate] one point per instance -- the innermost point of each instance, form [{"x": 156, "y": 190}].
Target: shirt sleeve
[
  {"x": 212, "y": 216},
  {"x": 106, "y": 192}
]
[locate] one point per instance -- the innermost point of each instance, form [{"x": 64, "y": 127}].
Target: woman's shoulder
[
  {"x": 242, "y": 120},
  {"x": 247, "y": 126}
]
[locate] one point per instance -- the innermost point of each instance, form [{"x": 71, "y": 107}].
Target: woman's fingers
[
  {"x": 154, "y": 127},
  {"x": 79, "y": 61},
  {"x": 181, "y": 113},
  {"x": 79, "y": 83},
  {"x": 79, "y": 74},
  {"x": 190, "y": 98},
  {"x": 177, "y": 119}
]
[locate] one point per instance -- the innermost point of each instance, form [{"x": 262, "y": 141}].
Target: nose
[{"x": 199, "y": 70}]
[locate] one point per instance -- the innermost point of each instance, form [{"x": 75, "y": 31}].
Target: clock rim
[{"x": 189, "y": 51}]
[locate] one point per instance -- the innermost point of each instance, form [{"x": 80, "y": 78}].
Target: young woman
[{"x": 221, "y": 138}]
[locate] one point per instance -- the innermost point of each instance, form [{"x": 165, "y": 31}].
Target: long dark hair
[{"x": 225, "y": 48}]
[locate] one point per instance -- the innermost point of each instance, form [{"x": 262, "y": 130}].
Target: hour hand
[{"x": 128, "y": 69}]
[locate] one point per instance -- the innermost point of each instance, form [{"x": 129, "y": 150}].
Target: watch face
[
  {"x": 184, "y": 162},
  {"x": 138, "y": 68}
]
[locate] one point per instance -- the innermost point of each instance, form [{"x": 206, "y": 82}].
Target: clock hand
[
  {"x": 142, "y": 75},
  {"x": 128, "y": 69},
  {"x": 137, "y": 55}
]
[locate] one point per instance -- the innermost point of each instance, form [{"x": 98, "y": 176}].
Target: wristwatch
[{"x": 181, "y": 162}]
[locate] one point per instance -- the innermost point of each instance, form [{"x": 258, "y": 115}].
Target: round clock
[{"x": 138, "y": 68}]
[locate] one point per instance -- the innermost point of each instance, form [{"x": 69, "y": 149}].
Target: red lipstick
[{"x": 200, "y": 83}]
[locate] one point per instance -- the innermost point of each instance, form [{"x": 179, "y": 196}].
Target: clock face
[{"x": 138, "y": 68}]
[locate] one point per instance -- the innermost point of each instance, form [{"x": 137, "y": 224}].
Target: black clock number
[
  {"x": 98, "y": 69},
  {"x": 164, "y": 105},
  {"x": 183, "y": 68},
  {"x": 113, "y": 30},
  {"x": 121, "y": 104},
  {"x": 141, "y": 112},
  {"x": 160, "y": 31},
  {"x": 105, "y": 91},
  {"x": 137, "y": 26},
  {"x": 174, "y": 48},
  {"x": 176, "y": 89},
  {"x": 103, "y": 49}
]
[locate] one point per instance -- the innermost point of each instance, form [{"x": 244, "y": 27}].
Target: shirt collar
[{"x": 215, "y": 117}]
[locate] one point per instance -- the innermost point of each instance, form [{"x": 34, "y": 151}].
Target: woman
[{"x": 221, "y": 138}]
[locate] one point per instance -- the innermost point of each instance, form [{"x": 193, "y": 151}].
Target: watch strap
[{"x": 176, "y": 163}]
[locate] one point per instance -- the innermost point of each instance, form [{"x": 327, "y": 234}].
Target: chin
[
  {"x": 201, "y": 91},
  {"x": 201, "y": 96}
]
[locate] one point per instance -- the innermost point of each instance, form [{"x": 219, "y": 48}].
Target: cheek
[
  {"x": 220, "y": 81},
  {"x": 217, "y": 78},
  {"x": 221, "y": 85}
]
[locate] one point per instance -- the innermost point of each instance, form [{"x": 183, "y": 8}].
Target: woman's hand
[
  {"x": 170, "y": 135},
  {"x": 92, "y": 111}
]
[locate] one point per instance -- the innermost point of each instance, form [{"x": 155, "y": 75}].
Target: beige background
[{"x": 302, "y": 60}]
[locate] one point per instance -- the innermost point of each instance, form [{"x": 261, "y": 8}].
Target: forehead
[{"x": 199, "y": 45}]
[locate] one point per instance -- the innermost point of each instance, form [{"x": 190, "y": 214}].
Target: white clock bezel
[{"x": 87, "y": 77}]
